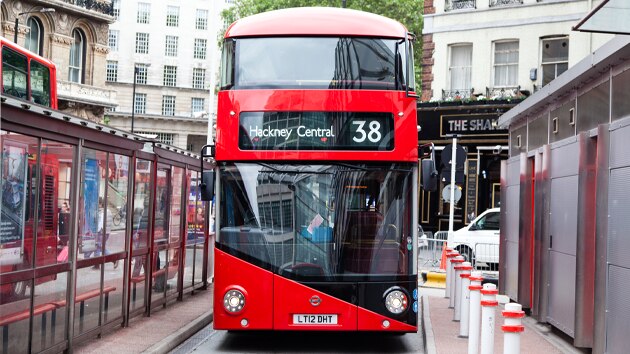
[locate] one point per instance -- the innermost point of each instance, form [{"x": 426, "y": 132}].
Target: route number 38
[{"x": 374, "y": 134}]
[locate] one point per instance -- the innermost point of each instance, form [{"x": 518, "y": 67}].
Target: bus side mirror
[
  {"x": 207, "y": 185},
  {"x": 429, "y": 175}
]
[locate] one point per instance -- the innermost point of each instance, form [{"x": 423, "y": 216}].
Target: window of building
[
  {"x": 199, "y": 78},
  {"x": 201, "y": 23},
  {"x": 140, "y": 103},
  {"x": 460, "y": 67},
  {"x": 171, "y": 46},
  {"x": 168, "y": 105},
  {"x": 112, "y": 71},
  {"x": 116, "y": 9},
  {"x": 506, "y": 64},
  {"x": 142, "y": 43},
  {"x": 141, "y": 76},
  {"x": 144, "y": 12},
  {"x": 200, "y": 48},
  {"x": 198, "y": 105},
  {"x": 35, "y": 36},
  {"x": 170, "y": 75},
  {"x": 113, "y": 40},
  {"x": 172, "y": 16},
  {"x": 165, "y": 138},
  {"x": 77, "y": 57},
  {"x": 555, "y": 58}
]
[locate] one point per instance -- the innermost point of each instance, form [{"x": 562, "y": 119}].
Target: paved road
[{"x": 211, "y": 341}]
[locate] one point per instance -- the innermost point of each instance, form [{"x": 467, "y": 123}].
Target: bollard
[
  {"x": 455, "y": 262},
  {"x": 463, "y": 311},
  {"x": 512, "y": 328},
  {"x": 488, "y": 304},
  {"x": 473, "y": 330},
  {"x": 457, "y": 299},
  {"x": 450, "y": 255}
]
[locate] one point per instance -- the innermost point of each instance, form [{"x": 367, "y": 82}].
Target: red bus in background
[
  {"x": 317, "y": 169},
  {"x": 27, "y": 76}
]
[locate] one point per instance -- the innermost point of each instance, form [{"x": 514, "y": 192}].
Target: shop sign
[{"x": 471, "y": 125}]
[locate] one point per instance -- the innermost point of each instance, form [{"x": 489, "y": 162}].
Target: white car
[{"x": 478, "y": 242}]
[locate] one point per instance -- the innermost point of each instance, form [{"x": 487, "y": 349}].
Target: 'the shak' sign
[{"x": 470, "y": 124}]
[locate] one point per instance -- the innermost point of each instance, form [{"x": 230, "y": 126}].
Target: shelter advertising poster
[
  {"x": 14, "y": 172},
  {"x": 90, "y": 204}
]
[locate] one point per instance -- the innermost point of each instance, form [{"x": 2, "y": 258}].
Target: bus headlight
[
  {"x": 396, "y": 301},
  {"x": 233, "y": 301}
]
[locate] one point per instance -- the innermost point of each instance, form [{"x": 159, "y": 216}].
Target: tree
[{"x": 407, "y": 12}]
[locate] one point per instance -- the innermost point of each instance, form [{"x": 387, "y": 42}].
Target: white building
[
  {"x": 171, "y": 45},
  {"x": 474, "y": 45}
]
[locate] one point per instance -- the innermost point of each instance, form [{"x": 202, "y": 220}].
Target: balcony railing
[
  {"x": 459, "y": 5},
  {"x": 495, "y": 3},
  {"x": 72, "y": 91},
  {"x": 501, "y": 93},
  {"x": 455, "y": 95},
  {"x": 102, "y": 6}
]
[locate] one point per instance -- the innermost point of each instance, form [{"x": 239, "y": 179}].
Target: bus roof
[
  {"x": 4, "y": 41},
  {"x": 316, "y": 21}
]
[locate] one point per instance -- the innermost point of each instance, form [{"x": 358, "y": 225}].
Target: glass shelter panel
[
  {"x": 19, "y": 213},
  {"x": 91, "y": 204},
  {"x": 47, "y": 292},
  {"x": 117, "y": 187},
  {"x": 162, "y": 209},
  {"x": 175, "y": 227},
  {"x": 142, "y": 195}
]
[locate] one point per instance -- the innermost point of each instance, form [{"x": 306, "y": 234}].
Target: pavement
[
  {"x": 169, "y": 327},
  {"x": 163, "y": 331},
  {"x": 441, "y": 333}
]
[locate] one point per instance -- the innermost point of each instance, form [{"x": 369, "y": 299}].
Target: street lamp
[
  {"x": 15, "y": 30},
  {"x": 136, "y": 70}
]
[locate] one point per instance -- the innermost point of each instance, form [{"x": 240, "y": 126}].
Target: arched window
[
  {"x": 35, "y": 36},
  {"x": 77, "y": 57}
]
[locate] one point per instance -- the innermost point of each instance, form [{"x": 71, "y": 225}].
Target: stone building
[{"x": 74, "y": 36}]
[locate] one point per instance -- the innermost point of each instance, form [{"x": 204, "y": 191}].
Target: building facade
[
  {"x": 481, "y": 58},
  {"x": 164, "y": 52},
  {"x": 74, "y": 37}
]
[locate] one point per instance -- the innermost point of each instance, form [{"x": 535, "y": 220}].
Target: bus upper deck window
[
  {"x": 14, "y": 73},
  {"x": 40, "y": 83}
]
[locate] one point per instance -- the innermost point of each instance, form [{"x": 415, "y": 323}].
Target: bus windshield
[
  {"x": 330, "y": 222},
  {"x": 314, "y": 63}
]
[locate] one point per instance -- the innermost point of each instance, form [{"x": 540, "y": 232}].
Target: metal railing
[
  {"x": 495, "y": 3},
  {"x": 459, "y": 5},
  {"x": 429, "y": 254},
  {"x": 497, "y": 93},
  {"x": 457, "y": 94},
  {"x": 104, "y": 7}
]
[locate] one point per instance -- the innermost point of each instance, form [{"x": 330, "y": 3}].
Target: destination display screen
[{"x": 316, "y": 131}]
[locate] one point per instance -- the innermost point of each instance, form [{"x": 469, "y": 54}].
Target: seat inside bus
[{"x": 371, "y": 246}]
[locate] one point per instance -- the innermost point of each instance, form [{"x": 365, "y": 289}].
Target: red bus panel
[
  {"x": 292, "y": 298},
  {"x": 232, "y": 103},
  {"x": 255, "y": 283}
]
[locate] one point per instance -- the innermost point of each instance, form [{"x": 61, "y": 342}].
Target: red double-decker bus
[
  {"x": 27, "y": 76},
  {"x": 316, "y": 177}
]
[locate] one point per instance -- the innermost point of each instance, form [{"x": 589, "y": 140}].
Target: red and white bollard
[
  {"x": 488, "y": 305},
  {"x": 473, "y": 329},
  {"x": 454, "y": 261},
  {"x": 459, "y": 261},
  {"x": 512, "y": 328},
  {"x": 449, "y": 272},
  {"x": 462, "y": 313}
]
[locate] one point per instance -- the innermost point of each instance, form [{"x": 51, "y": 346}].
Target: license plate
[{"x": 301, "y": 319}]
